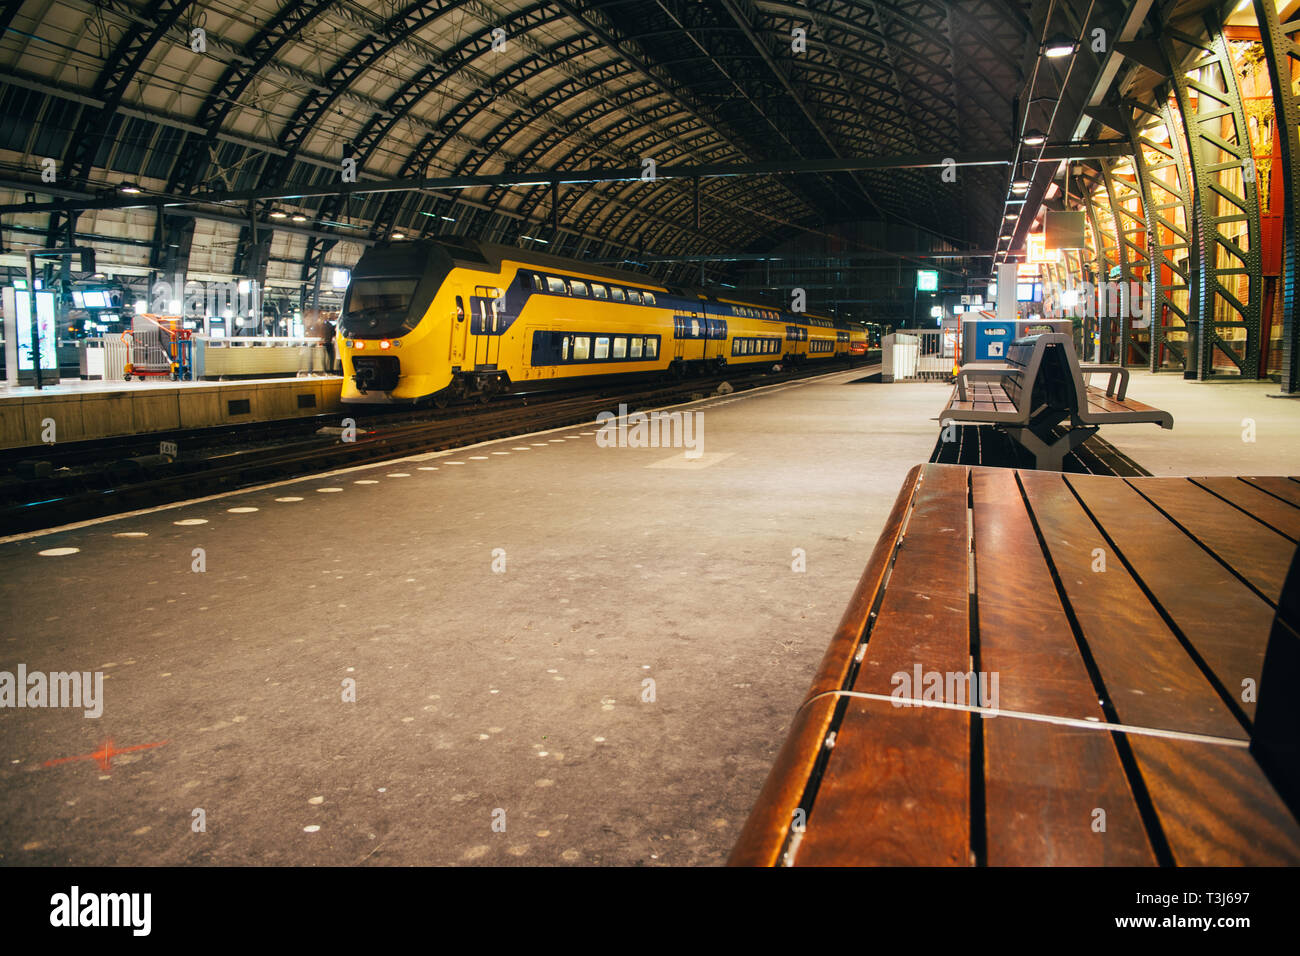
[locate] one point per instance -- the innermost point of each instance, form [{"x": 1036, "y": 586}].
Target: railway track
[{"x": 34, "y": 501}]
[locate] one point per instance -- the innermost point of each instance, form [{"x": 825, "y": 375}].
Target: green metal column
[
  {"x": 1162, "y": 200},
  {"x": 1205, "y": 102},
  {"x": 1281, "y": 51}
]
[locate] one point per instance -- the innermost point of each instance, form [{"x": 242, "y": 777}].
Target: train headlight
[
  {"x": 385, "y": 344},
  {"x": 360, "y": 345}
]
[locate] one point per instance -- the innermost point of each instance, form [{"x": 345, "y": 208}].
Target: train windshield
[{"x": 379, "y": 307}]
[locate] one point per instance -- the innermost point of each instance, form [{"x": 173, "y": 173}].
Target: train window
[
  {"x": 651, "y": 347},
  {"x": 695, "y": 328},
  {"x": 635, "y": 347},
  {"x": 525, "y": 282},
  {"x": 633, "y": 296},
  {"x": 460, "y": 309},
  {"x": 577, "y": 288},
  {"x": 620, "y": 347},
  {"x": 556, "y": 285},
  {"x": 648, "y": 298},
  {"x": 602, "y": 347},
  {"x": 564, "y": 348},
  {"x": 616, "y": 293},
  {"x": 599, "y": 291},
  {"x": 581, "y": 347}
]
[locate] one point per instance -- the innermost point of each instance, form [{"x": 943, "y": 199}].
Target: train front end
[{"x": 394, "y": 331}]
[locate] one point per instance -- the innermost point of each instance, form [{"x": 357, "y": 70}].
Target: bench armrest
[{"x": 1115, "y": 372}]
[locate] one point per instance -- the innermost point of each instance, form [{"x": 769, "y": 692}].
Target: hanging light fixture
[
  {"x": 1058, "y": 46},
  {"x": 1035, "y": 137}
]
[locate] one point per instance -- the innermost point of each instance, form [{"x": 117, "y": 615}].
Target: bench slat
[
  {"x": 1278, "y": 515},
  {"x": 1197, "y": 592},
  {"x": 1287, "y": 489},
  {"x": 1100, "y": 401},
  {"x": 1231, "y": 814},
  {"x": 1255, "y": 551},
  {"x": 1042, "y": 782},
  {"x": 768, "y": 825},
  {"x": 896, "y": 789}
]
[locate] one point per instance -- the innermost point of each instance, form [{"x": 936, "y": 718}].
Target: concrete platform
[
  {"x": 522, "y": 691},
  {"x": 1212, "y": 421},
  {"x": 83, "y": 410}
]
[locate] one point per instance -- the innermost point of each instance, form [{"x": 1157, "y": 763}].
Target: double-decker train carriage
[{"x": 451, "y": 318}]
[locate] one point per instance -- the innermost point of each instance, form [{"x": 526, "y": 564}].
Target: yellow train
[{"x": 453, "y": 318}]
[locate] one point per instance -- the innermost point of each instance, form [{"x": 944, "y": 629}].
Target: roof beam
[{"x": 1054, "y": 151}]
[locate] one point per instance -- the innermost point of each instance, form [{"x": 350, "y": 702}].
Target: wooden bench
[
  {"x": 1126, "y": 622},
  {"x": 1040, "y": 385}
]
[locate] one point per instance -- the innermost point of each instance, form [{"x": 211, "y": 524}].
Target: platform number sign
[{"x": 927, "y": 280}]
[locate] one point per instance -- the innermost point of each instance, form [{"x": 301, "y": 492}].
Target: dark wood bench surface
[{"x": 1169, "y": 631}]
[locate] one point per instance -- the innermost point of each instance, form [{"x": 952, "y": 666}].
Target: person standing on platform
[{"x": 327, "y": 340}]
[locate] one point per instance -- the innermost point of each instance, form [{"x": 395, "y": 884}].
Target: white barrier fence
[
  {"x": 241, "y": 356},
  {"x": 911, "y": 355},
  {"x": 105, "y": 357}
]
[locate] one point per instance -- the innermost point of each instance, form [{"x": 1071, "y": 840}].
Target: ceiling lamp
[
  {"x": 1007, "y": 236},
  {"x": 299, "y": 217},
  {"x": 1020, "y": 185},
  {"x": 278, "y": 213},
  {"x": 1059, "y": 46},
  {"x": 1035, "y": 137},
  {"x": 129, "y": 189},
  {"x": 399, "y": 235}
]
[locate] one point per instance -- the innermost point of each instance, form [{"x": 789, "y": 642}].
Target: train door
[
  {"x": 459, "y": 332},
  {"x": 487, "y": 323},
  {"x": 706, "y": 330}
]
